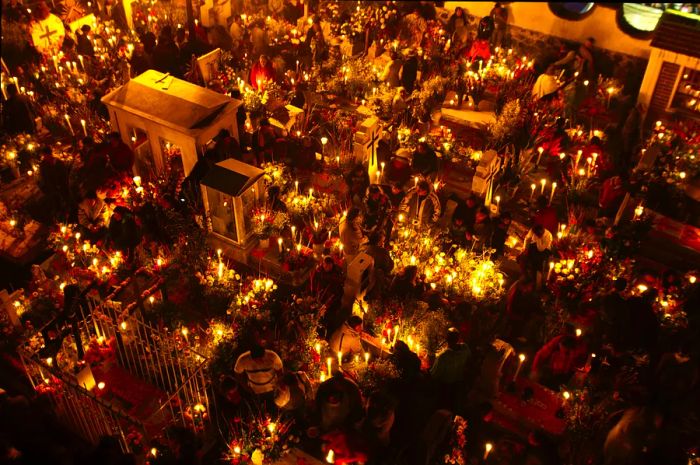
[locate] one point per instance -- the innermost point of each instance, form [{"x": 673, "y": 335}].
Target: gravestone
[
  {"x": 208, "y": 65},
  {"x": 482, "y": 182},
  {"x": 366, "y": 142}
]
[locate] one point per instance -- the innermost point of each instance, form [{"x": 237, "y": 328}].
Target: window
[
  {"x": 571, "y": 10},
  {"x": 687, "y": 96},
  {"x": 640, "y": 19}
]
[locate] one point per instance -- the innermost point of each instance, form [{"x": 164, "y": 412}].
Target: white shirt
[
  {"x": 262, "y": 372},
  {"x": 346, "y": 340},
  {"x": 543, "y": 243}
]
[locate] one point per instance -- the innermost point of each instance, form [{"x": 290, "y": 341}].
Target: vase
[
  {"x": 264, "y": 243},
  {"x": 257, "y": 457}
]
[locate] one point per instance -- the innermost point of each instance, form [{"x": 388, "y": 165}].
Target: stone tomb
[
  {"x": 155, "y": 112},
  {"x": 232, "y": 191}
]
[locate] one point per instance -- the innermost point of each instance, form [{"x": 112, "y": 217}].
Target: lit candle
[
  {"x": 543, "y": 182},
  {"x": 551, "y": 195},
  {"x": 82, "y": 123},
  {"x": 70, "y": 126},
  {"x": 533, "y": 186},
  {"x": 340, "y": 359},
  {"x": 521, "y": 359},
  {"x": 367, "y": 358},
  {"x": 566, "y": 395},
  {"x": 540, "y": 151},
  {"x": 311, "y": 193},
  {"x": 329, "y": 362},
  {"x": 551, "y": 266},
  {"x": 488, "y": 447},
  {"x": 296, "y": 186},
  {"x": 330, "y": 457},
  {"x": 279, "y": 244},
  {"x": 396, "y": 333}
]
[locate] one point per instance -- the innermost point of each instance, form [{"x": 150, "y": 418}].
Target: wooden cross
[
  {"x": 48, "y": 35},
  {"x": 374, "y": 138}
]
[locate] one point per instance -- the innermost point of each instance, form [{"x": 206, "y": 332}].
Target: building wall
[{"x": 537, "y": 17}]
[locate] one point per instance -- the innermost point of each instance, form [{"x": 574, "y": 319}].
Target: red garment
[
  {"x": 480, "y": 49},
  {"x": 261, "y": 73},
  {"x": 547, "y": 217},
  {"x": 611, "y": 192},
  {"x": 558, "y": 359}
]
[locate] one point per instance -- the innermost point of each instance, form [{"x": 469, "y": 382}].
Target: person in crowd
[
  {"x": 499, "y": 15},
  {"x": 292, "y": 393},
  {"x": 556, "y": 362},
  {"x": 391, "y": 73},
  {"x": 611, "y": 194},
  {"x": 348, "y": 338},
  {"x": 377, "y": 208},
  {"x": 326, "y": 284},
  {"x": 383, "y": 263},
  {"x": 53, "y": 180},
  {"x": 458, "y": 26},
  {"x": 358, "y": 182},
  {"x": 226, "y": 146},
  {"x": 351, "y": 234},
  {"x": 523, "y": 311},
  {"x": 17, "y": 113},
  {"x": 422, "y": 204},
  {"x": 425, "y": 161},
  {"x": 274, "y": 202},
  {"x": 124, "y": 233},
  {"x": 140, "y": 61},
  {"x": 261, "y": 72},
  {"x": 264, "y": 142},
  {"x": 500, "y": 234},
  {"x": 450, "y": 367},
  {"x": 91, "y": 215},
  {"x": 644, "y": 328},
  {"x": 259, "y": 369},
  {"x": 545, "y": 215},
  {"x": 396, "y": 195},
  {"x": 586, "y": 63},
  {"x": 465, "y": 211},
  {"x": 317, "y": 41},
  {"x": 84, "y": 45},
  {"x": 408, "y": 284},
  {"x": 615, "y": 316},
  {"x": 566, "y": 60},
  {"x": 121, "y": 157},
  {"x": 166, "y": 55},
  {"x": 378, "y": 423},
  {"x": 409, "y": 72},
  {"x": 481, "y": 231},
  {"x": 546, "y": 85},
  {"x": 338, "y": 403},
  {"x": 537, "y": 246}
]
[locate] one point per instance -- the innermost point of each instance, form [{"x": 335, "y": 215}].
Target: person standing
[
  {"x": 499, "y": 14},
  {"x": 422, "y": 204},
  {"x": 17, "y": 114},
  {"x": 351, "y": 234},
  {"x": 258, "y": 369}
]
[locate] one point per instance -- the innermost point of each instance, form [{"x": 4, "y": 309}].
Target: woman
[
  {"x": 317, "y": 42},
  {"x": 458, "y": 27},
  {"x": 351, "y": 234}
]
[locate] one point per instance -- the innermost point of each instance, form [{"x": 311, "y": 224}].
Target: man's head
[
  {"x": 355, "y": 322},
  {"x": 506, "y": 218},
  {"x": 114, "y": 138},
  {"x": 452, "y": 337},
  {"x": 263, "y": 60},
  {"x": 257, "y": 351},
  {"x": 423, "y": 188},
  {"x": 374, "y": 192},
  {"x": 482, "y": 213},
  {"x": 328, "y": 263},
  {"x": 85, "y": 29},
  {"x": 377, "y": 238},
  {"x": 538, "y": 230}
]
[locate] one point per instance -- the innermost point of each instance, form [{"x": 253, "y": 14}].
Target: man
[
  {"x": 377, "y": 208},
  {"x": 586, "y": 64},
  {"x": 121, "y": 157},
  {"x": 499, "y": 14},
  {"x": 351, "y": 234},
  {"x": 482, "y": 230},
  {"x": 84, "y": 44},
  {"x": 523, "y": 310},
  {"x": 556, "y": 362},
  {"x": 348, "y": 338},
  {"x": 450, "y": 367},
  {"x": 261, "y": 72},
  {"x": 166, "y": 55},
  {"x": 17, "y": 114},
  {"x": 537, "y": 246},
  {"x": 425, "y": 161},
  {"x": 422, "y": 204},
  {"x": 546, "y": 84},
  {"x": 500, "y": 234},
  {"x": 90, "y": 215},
  {"x": 326, "y": 284},
  {"x": 259, "y": 369}
]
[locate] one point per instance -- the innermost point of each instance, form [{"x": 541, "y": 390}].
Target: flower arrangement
[
  {"x": 261, "y": 439},
  {"x": 268, "y": 223},
  {"x": 458, "y": 441},
  {"x": 508, "y": 123}
]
